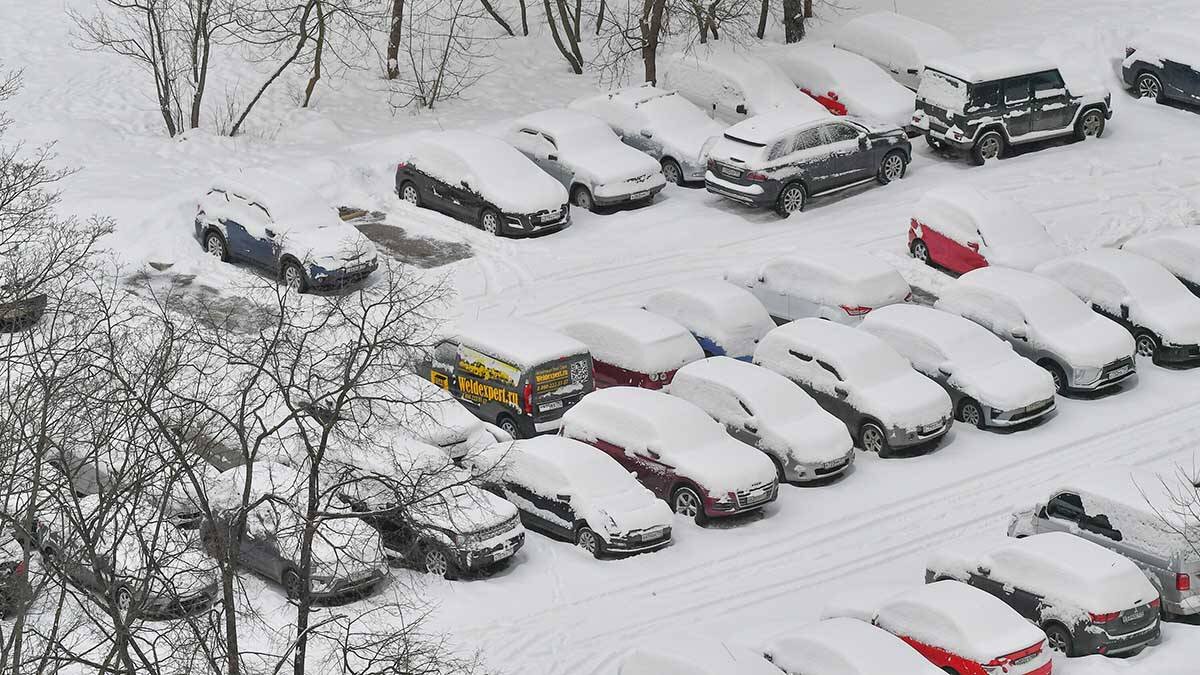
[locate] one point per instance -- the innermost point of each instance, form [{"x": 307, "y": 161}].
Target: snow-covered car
[
  {"x": 842, "y": 286},
  {"x": 1046, "y": 324},
  {"x": 427, "y": 510},
  {"x": 989, "y": 384},
  {"x": 960, "y": 228},
  {"x": 635, "y": 348},
  {"x": 680, "y": 453},
  {"x": 1087, "y": 599},
  {"x": 257, "y": 217},
  {"x": 765, "y": 410},
  {"x": 981, "y": 103},
  {"x": 885, "y": 404},
  {"x": 571, "y": 490},
  {"x": 782, "y": 159},
  {"x": 1139, "y": 294},
  {"x": 845, "y": 83},
  {"x": 844, "y": 646},
  {"x": 694, "y": 657},
  {"x": 347, "y": 554},
  {"x": 1177, "y": 249},
  {"x": 483, "y": 181},
  {"x": 733, "y": 86},
  {"x": 898, "y": 44},
  {"x": 21, "y": 313},
  {"x": 582, "y": 152},
  {"x": 15, "y": 589},
  {"x": 958, "y": 628},
  {"x": 1163, "y": 64},
  {"x": 726, "y": 320},
  {"x": 1136, "y": 513},
  {"x": 135, "y": 562},
  {"x": 660, "y": 123}
]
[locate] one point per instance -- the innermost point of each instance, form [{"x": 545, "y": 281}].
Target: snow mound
[
  {"x": 728, "y": 315},
  {"x": 636, "y": 340},
  {"x": 845, "y": 646},
  {"x": 705, "y": 76},
  {"x": 830, "y": 277}
]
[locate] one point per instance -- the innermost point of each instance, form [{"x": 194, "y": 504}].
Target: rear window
[
  {"x": 563, "y": 377},
  {"x": 943, "y": 91}
]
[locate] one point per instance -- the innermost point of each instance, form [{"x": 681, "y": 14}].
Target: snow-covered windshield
[
  {"x": 582, "y": 135},
  {"x": 877, "y": 365},
  {"x": 1056, "y": 308},
  {"x": 977, "y": 350},
  {"x": 778, "y": 399},
  {"x": 598, "y": 477},
  {"x": 943, "y": 91},
  {"x": 673, "y": 111}
]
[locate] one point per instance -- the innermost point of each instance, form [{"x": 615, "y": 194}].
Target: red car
[
  {"x": 635, "y": 348},
  {"x": 961, "y": 228},
  {"x": 676, "y": 451}
]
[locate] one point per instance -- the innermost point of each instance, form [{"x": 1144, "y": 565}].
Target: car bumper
[
  {"x": 1104, "y": 382},
  {"x": 803, "y": 472},
  {"x": 1115, "y": 645},
  {"x": 490, "y": 554},
  {"x": 635, "y": 543},
  {"x": 626, "y": 198},
  {"x": 750, "y": 195},
  {"x": 531, "y": 226},
  {"x": 1178, "y": 355},
  {"x": 1025, "y": 415},
  {"x": 319, "y": 277},
  {"x": 899, "y": 437},
  {"x": 752, "y": 501}
]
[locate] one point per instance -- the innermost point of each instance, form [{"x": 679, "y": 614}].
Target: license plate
[
  {"x": 640, "y": 195},
  {"x": 548, "y": 218},
  {"x": 1135, "y": 615},
  {"x": 553, "y": 405},
  {"x": 502, "y": 553},
  {"x": 1121, "y": 371},
  {"x": 730, "y": 171}
]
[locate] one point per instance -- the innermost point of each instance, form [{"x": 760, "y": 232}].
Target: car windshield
[
  {"x": 874, "y": 366},
  {"x": 673, "y": 111},
  {"x": 943, "y": 91},
  {"x": 598, "y": 477},
  {"x": 1056, "y": 307},
  {"x": 779, "y": 400},
  {"x": 978, "y": 350},
  {"x": 582, "y": 136}
]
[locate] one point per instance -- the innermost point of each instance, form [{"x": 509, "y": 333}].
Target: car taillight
[
  {"x": 655, "y": 377},
  {"x": 402, "y": 165},
  {"x": 1183, "y": 582},
  {"x": 756, "y": 177},
  {"x": 528, "y": 397},
  {"x": 854, "y": 310},
  {"x": 1007, "y": 659},
  {"x": 908, "y": 298},
  {"x": 20, "y": 568},
  {"x": 1155, "y": 603},
  {"x": 1107, "y": 617},
  {"x": 712, "y": 164}
]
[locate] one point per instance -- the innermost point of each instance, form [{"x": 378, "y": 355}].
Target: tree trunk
[
  {"x": 201, "y": 49},
  {"x": 793, "y": 20},
  {"x": 711, "y": 22},
  {"x": 524, "y": 18},
  {"x": 393, "y": 46},
  {"x": 301, "y": 40},
  {"x": 651, "y": 28},
  {"x": 499, "y": 19},
  {"x": 316, "y": 74},
  {"x": 808, "y": 9},
  {"x": 763, "y": 12},
  {"x": 576, "y": 66},
  {"x": 600, "y": 15},
  {"x": 572, "y": 35}
]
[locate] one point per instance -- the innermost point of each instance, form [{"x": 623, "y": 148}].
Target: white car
[
  {"x": 838, "y": 285},
  {"x": 432, "y": 415},
  {"x": 989, "y": 383},
  {"x": 584, "y": 154},
  {"x": 862, "y": 381},
  {"x": 694, "y": 657},
  {"x": 765, "y": 410},
  {"x": 660, "y": 123},
  {"x": 844, "y": 646},
  {"x": 725, "y": 319},
  {"x": 733, "y": 86},
  {"x": 899, "y": 44},
  {"x": 1046, "y": 324},
  {"x": 1141, "y": 295},
  {"x": 960, "y": 227},
  {"x": 1177, "y": 249},
  {"x": 846, "y": 83},
  {"x": 255, "y": 216},
  {"x": 570, "y": 490}
]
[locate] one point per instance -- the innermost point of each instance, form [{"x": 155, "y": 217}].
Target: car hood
[
  {"x": 813, "y": 439},
  {"x": 634, "y": 509},
  {"x": 1177, "y": 322},
  {"x": 1007, "y": 385},
  {"x": 907, "y": 401},
  {"x": 611, "y": 163},
  {"x": 1093, "y": 344},
  {"x": 723, "y": 465},
  {"x": 319, "y": 243},
  {"x": 464, "y": 511}
]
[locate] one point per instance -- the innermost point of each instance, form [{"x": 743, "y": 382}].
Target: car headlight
[{"x": 1085, "y": 375}]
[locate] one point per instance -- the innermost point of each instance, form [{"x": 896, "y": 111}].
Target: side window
[
  {"x": 1047, "y": 84},
  {"x": 832, "y": 371},
  {"x": 838, "y": 133},
  {"x": 799, "y": 355},
  {"x": 1016, "y": 91},
  {"x": 550, "y": 140},
  {"x": 1065, "y": 506},
  {"x": 779, "y": 148},
  {"x": 807, "y": 140},
  {"x": 986, "y": 96},
  {"x": 745, "y": 408},
  {"x": 446, "y": 352}
]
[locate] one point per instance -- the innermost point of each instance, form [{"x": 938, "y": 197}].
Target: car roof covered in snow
[
  {"x": 1177, "y": 249},
  {"x": 563, "y": 121},
  {"x": 1001, "y": 220},
  {"x": 1138, "y": 489},
  {"x": 1176, "y": 43},
  {"x": 635, "y": 339},
  {"x": 941, "y": 328},
  {"x": 519, "y": 342},
  {"x": 632, "y": 96},
  {"x": 818, "y": 337},
  {"x": 850, "y": 267},
  {"x": 1010, "y": 283},
  {"x": 762, "y": 389},
  {"x": 261, "y": 185},
  {"x": 843, "y": 67},
  {"x": 845, "y": 646},
  {"x": 658, "y": 414},
  {"x": 764, "y": 85},
  {"x": 694, "y": 657},
  {"x": 561, "y": 451},
  {"x": 987, "y": 65},
  {"x": 829, "y": 277},
  {"x": 769, "y": 126},
  {"x": 1138, "y": 274}
]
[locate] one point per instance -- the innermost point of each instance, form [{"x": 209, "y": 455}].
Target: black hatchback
[{"x": 1163, "y": 65}]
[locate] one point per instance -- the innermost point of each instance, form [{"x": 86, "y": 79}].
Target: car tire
[
  {"x": 123, "y": 602},
  {"x": 1147, "y": 345},
  {"x": 214, "y": 245},
  {"x": 792, "y": 199},
  {"x": 687, "y": 502},
  {"x": 582, "y": 197},
  {"x": 920, "y": 252},
  {"x": 1058, "y": 638},
  {"x": 293, "y": 276},
  {"x": 291, "y": 584},
  {"x": 672, "y": 172},
  {"x": 1057, "y": 373},
  {"x": 970, "y": 412},
  {"x": 436, "y": 561},
  {"x": 408, "y": 192},
  {"x": 989, "y": 146},
  {"x": 490, "y": 222},
  {"x": 1148, "y": 85},
  {"x": 1090, "y": 124},
  {"x": 509, "y": 425},
  {"x": 587, "y": 539},
  {"x": 892, "y": 167},
  {"x": 872, "y": 439},
  {"x": 949, "y": 670}
]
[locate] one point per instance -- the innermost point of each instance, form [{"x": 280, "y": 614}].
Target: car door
[
  {"x": 850, "y": 162},
  {"x": 1018, "y": 108},
  {"x": 647, "y": 471},
  {"x": 246, "y": 233},
  {"x": 1053, "y": 107},
  {"x": 1181, "y": 81},
  {"x": 813, "y": 158},
  {"x": 771, "y": 295},
  {"x": 635, "y": 132},
  {"x": 440, "y": 197},
  {"x": 555, "y": 164}
]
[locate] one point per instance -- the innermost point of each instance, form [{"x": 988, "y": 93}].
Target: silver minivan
[{"x": 1134, "y": 513}]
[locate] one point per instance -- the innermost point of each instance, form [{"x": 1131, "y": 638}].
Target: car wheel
[
  {"x": 438, "y": 563},
  {"x": 687, "y": 502},
  {"x": 1056, "y": 374},
  {"x": 589, "y": 541},
  {"x": 872, "y": 439},
  {"x": 989, "y": 146},
  {"x": 490, "y": 221},
  {"x": 970, "y": 413},
  {"x": 892, "y": 167},
  {"x": 949, "y": 670},
  {"x": 1059, "y": 639},
  {"x": 293, "y": 277},
  {"x": 1149, "y": 86},
  {"x": 582, "y": 198},
  {"x": 791, "y": 200},
  {"x": 124, "y": 603},
  {"x": 214, "y": 245},
  {"x": 1147, "y": 345},
  {"x": 1090, "y": 124},
  {"x": 291, "y": 585},
  {"x": 672, "y": 172},
  {"x": 410, "y": 193},
  {"x": 920, "y": 252},
  {"x": 509, "y": 425}
]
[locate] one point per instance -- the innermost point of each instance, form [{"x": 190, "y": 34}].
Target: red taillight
[
  {"x": 402, "y": 165},
  {"x": 1015, "y": 656},
  {"x": 20, "y": 568},
  {"x": 1107, "y": 617},
  {"x": 908, "y": 298},
  {"x": 756, "y": 177},
  {"x": 1155, "y": 603},
  {"x": 853, "y": 310},
  {"x": 528, "y": 397},
  {"x": 1183, "y": 582},
  {"x": 712, "y": 164}
]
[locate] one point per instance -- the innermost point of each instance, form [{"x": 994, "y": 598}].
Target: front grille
[
  {"x": 1031, "y": 410},
  {"x": 755, "y": 496},
  {"x": 488, "y": 533},
  {"x": 826, "y": 470},
  {"x": 1118, "y": 364},
  {"x": 642, "y": 179}
]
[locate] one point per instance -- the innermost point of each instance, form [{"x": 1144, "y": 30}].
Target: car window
[
  {"x": 550, "y": 140},
  {"x": 807, "y": 139},
  {"x": 779, "y": 148},
  {"x": 1016, "y": 90},
  {"x": 832, "y": 371},
  {"x": 984, "y": 96},
  {"x": 802, "y": 357},
  {"x": 445, "y": 352},
  {"x": 745, "y": 407},
  {"x": 837, "y": 133},
  {"x": 1065, "y": 506},
  {"x": 1047, "y": 84}
]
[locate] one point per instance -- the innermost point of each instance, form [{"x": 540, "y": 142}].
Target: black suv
[
  {"x": 980, "y": 103},
  {"x": 782, "y": 159},
  {"x": 1162, "y": 65}
]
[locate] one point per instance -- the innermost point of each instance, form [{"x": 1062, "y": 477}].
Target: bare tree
[
  {"x": 395, "y": 28},
  {"x": 444, "y": 53},
  {"x": 560, "y": 16},
  {"x": 491, "y": 10}
]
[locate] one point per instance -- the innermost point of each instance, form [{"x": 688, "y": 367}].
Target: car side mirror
[
  {"x": 1019, "y": 334},
  {"x": 984, "y": 570},
  {"x": 740, "y": 109},
  {"x": 945, "y": 371},
  {"x": 863, "y": 142},
  {"x": 270, "y": 232},
  {"x": 750, "y": 426},
  {"x": 646, "y": 133},
  {"x": 832, "y": 96},
  {"x": 841, "y": 392},
  {"x": 563, "y": 497}
]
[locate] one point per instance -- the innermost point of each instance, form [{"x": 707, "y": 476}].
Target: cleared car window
[
  {"x": 1016, "y": 90},
  {"x": 1047, "y": 84},
  {"x": 985, "y": 96}
]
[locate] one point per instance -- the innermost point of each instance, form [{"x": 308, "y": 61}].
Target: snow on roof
[
  {"x": 646, "y": 417},
  {"x": 262, "y": 185},
  {"x": 715, "y": 309},
  {"x": 1174, "y": 43},
  {"x": 959, "y": 618},
  {"x": 991, "y": 64},
  {"x": 836, "y": 277},
  {"x": 1177, "y": 249},
  {"x": 762, "y": 389},
  {"x": 520, "y": 342},
  {"x": 896, "y": 38},
  {"x": 766, "y": 128},
  {"x": 633, "y": 96},
  {"x": 845, "y": 646},
  {"x": 563, "y": 122},
  {"x": 822, "y": 68},
  {"x": 958, "y": 339},
  {"x": 694, "y": 657},
  {"x": 857, "y": 354},
  {"x": 636, "y": 340},
  {"x": 1023, "y": 287},
  {"x": 699, "y": 74},
  {"x": 1014, "y": 237},
  {"x": 1166, "y": 498},
  {"x": 1145, "y": 278}
]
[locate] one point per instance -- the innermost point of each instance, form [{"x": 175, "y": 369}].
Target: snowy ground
[{"x": 555, "y": 611}]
